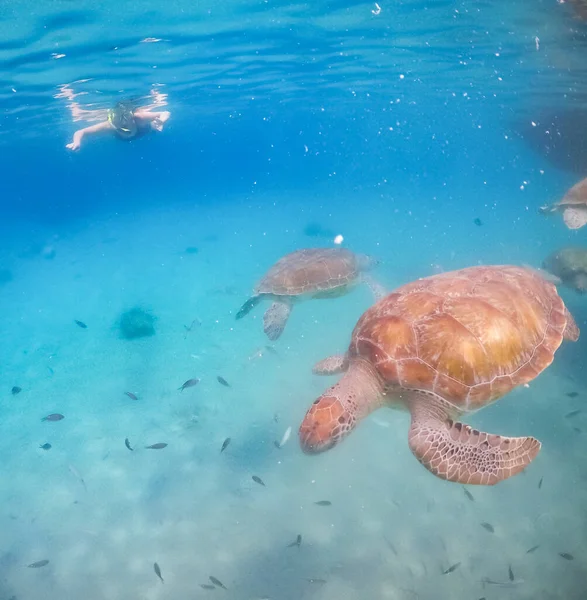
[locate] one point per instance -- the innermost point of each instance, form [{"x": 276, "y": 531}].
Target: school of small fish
[{"x": 215, "y": 583}]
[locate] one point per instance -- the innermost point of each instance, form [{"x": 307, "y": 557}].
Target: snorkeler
[{"x": 126, "y": 120}]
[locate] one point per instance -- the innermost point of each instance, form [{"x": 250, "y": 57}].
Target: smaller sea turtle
[
  {"x": 573, "y": 206},
  {"x": 580, "y": 7},
  {"x": 570, "y": 266},
  {"x": 308, "y": 273}
]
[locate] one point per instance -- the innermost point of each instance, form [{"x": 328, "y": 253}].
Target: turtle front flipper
[
  {"x": 248, "y": 306},
  {"x": 275, "y": 319},
  {"x": 548, "y": 209},
  {"x": 376, "y": 288},
  {"x": 333, "y": 365},
  {"x": 456, "y": 452}
]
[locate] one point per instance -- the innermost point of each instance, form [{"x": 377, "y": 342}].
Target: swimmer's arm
[
  {"x": 155, "y": 118},
  {"x": 79, "y": 135}
]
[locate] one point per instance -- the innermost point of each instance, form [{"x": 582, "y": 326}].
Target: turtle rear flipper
[
  {"x": 275, "y": 319},
  {"x": 248, "y": 306},
  {"x": 580, "y": 282},
  {"x": 338, "y": 363},
  {"x": 575, "y": 217}
]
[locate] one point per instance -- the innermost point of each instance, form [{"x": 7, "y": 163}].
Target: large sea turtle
[
  {"x": 573, "y": 205},
  {"x": 570, "y": 266},
  {"x": 443, "y": 347},
  {"x": 309, "y": 273}
]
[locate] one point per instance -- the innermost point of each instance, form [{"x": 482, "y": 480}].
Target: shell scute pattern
[
  {"x": 310, "y": 270},
  {"x": 468, "y": 336}
]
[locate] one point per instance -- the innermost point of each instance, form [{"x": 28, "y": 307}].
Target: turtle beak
[{"x": 323, "y": 426}]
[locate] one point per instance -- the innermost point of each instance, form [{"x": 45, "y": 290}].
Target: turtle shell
[
  {"x": 309, "y": 271},
  {"x": 469, "y": 336},
  {"x": 576, "y": 196}
]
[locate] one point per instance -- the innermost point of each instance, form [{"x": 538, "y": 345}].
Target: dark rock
[{"x": 136, "y": 323}]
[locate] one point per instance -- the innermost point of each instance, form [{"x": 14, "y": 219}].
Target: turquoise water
[{"x": 393, "y": 125}]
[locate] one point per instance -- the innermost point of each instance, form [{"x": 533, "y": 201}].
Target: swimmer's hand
[
  {"x": 76, "y": 142},
  {"x": 157, "y": 122}
]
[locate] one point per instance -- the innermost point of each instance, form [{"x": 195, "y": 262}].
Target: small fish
[
  {"x": 468, "y": 494},
  {"x": 478, "y": 222},
  {"x": 222, "y": 381},
  {"x": 224, "y": 445},
  {"x": 45, "y": 446},
  {"x": 576, "y": 430},
  {"x": 502, "y": 584},
  {"x": 285, "y": 437},
  {"x": 131, "y": 395},
  {"x": 317, "y": 581},
  {"x": 53, "y": 417},
  {"x": 258, "y": 480},
  {"x": 533, "y": 549},
  {"x": 207, "y": 586},
  {"x": 258, "y": 353},
  {"x": 276, "y": 444},
  {"x": 452, "y": 568},
  {"x": 158, "y": 571},
  {"x": 511, "y": 573},
  {"x": 190, "y": 328},
  {"x": 127, "y": 444},
  {"x": 572, "y": 394},
  {"x": 540, "y": 483},
  {"x": 16, "y": 390},
  {"x": 188, "y": 384},
  {"x": 572, "y": 414},
  {"x": 391, "y": 546},
  {"x": 217, "y": 582},
  {"x": 566, "y": 556},
  {"x": 80, "y": 324},
  {"x": 272, "y": 350},
  {"x": 323, "y": 503},
  {"x": 157, "y": 446},
  {"x": 298, "y": 542},
  {"x": 488, "y": 527},
  {"x": 38, "y": 564},
  {"x": 76, "y": 474}
]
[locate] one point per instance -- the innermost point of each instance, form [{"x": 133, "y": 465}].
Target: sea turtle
[
  {"x": 580, "y": 7},
  {"x": 573, "y": 206},
  {"x": 570, "y": 265},
  {"x": 309, "y": 273},
  {"x": 442, "y": 347}
]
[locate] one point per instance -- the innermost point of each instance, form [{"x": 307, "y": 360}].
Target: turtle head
[
  {"x": 325, "y": 424},
  {"x": 366, "y": 262}
]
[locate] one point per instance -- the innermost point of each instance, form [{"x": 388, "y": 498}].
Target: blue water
[{"x": 395, "y": 125}]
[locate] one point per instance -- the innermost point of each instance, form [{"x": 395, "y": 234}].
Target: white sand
[{"x": 197, "y": 512}]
